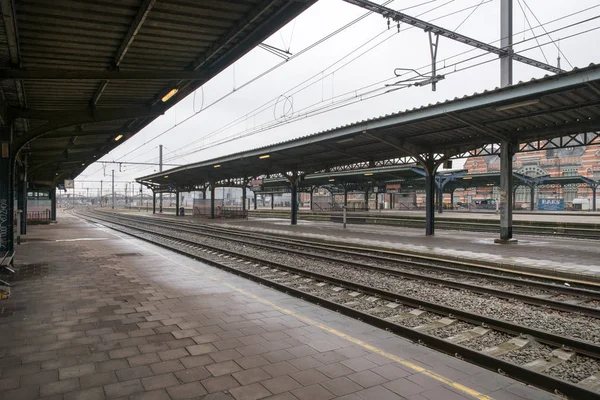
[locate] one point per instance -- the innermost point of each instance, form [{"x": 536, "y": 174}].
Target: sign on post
[
  {"x": 69, "y": 184},
  {"x": 551, "y": 204}
]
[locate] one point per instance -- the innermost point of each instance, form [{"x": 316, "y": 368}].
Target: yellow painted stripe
[
  {"x": 405, "y": 363},
  {"x": 458, "y": 386}
]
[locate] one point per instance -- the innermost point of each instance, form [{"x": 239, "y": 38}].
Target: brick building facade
[{"x": 582, "y": 161}]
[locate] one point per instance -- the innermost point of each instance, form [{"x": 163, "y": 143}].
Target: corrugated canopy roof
[
  {"x": 549, "y": 107},
  {"x": 78, "y": 73}
]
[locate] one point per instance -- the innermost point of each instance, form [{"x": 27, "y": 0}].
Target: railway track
[
  {"x": 535, "y": 356},
  {"x": 584, "y": 231}
]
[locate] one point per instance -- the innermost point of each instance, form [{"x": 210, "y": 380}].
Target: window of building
[
  {"x": 570, "y": 192},
  {"x": 596, "y": 174},
  {"x": 533, "y": 171},
  {"x": 570, "y": 171}
]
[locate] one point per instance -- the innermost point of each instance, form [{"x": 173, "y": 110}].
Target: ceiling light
[
  {"x": 217, "y": 166},
  {"x": 517, "y": 105},
  {"x": 264, "y": 156},
  {"x": 166, "y": 176},
  {"x": 368, "y": 174},
  {"x": 467, "y": 177},
  {"x": 331, "y": 180},
  {"x": 345, "y": 140},
  {"x": 57, "y": 174},
  {"x": 149, "y": 180},
  {"x": 82, "y": 163},
  {"x": 118, "y": 138},
  {"x": 167, "y": 96}
]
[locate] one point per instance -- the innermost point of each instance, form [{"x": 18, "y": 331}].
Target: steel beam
[
  {"x": 507, "y": 151},
  {"x": 22, "y": 205},
  {"x": 134, "y": 28},
  {"x": 506, "y": 42},
  {"x": 6, "y": 191},
  {"x": 53, "y": 204},
  {"x": 153, "y": 202},
  {"x": 212, "y": 200},
  {"x": 90, "y": 114},
  {"x": 438, "y": 30},
  {"x": 113, "y": 75},
  {"x": 294, "y": 202}
]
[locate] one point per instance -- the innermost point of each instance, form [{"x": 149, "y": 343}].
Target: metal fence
[{"x": 40, "y": 217}]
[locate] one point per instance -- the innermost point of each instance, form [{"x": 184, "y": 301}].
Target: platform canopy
[
  {"x": 555, "y": 111},
  {"x": 81, "y": 77}
]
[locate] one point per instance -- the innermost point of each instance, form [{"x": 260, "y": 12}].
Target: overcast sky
[{"x": 337, "y": 85}]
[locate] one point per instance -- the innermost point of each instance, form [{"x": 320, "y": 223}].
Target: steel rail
[
  {"x": 592, "y": 294},
  {"x": 582, "y": 347},
  {"x": 507, "y": 368}
]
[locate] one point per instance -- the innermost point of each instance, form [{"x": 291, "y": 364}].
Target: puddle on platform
[
  {"x": 519, "y": 241},
  {"x": 79, "y": 239}
]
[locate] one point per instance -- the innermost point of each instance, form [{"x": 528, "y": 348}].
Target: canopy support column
[
  {"x": 345, "y": 195},
  {"x": 294, "y": 197},
  {"x": 255, "y": 200},
  {"x": 153, "y": 202},
  {"x": 176, "y": 203},
  {"x": 440, "y": 198},
  {"x": 532, "y": 196},
  {"x": 244, "y": 196},
  {"x": 594, "y": 191},
  {"x": 212, "y": 200},
  {"x": 311, "y": 198},
  {"x": 430, "y": 165},
  {"x": 53, "y": 204},
  {"x": 505, "y": 207},
  {"x": 6, "y": 191},
  {"x": 22, "y": 205},
  {"x": 272, "y": 201}
]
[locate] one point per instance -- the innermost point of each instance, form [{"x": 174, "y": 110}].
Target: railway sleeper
[
  {"x": 559, "y": 356},
  {"x": 592, "y": 382},
  {"x": 503, "y": 348},
  {"x": 440, "y": 323},
  {"x": 476, "y": 332}
]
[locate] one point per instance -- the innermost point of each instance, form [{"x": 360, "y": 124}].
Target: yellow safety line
[{"x": 434, "y": 375}]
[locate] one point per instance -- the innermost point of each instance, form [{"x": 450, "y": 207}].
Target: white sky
[{"x": 188, "y": 141}]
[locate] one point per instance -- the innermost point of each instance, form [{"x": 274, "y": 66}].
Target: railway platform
[
  {"x": 567, "y": 257},
  {"x": 95, "y": 314}
]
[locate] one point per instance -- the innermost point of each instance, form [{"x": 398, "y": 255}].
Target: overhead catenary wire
[
  {"x": 530, "y": 27},
  {"x": 566, "y": 16},
  {"x": 265, "y": 106},
  {"x": 468, "y": 16},
  {"x": 471, "y": 58},
  {"x": 544, "y": 28},
  {"x": 373, "y": 94},
  {"x": 268, "y": 71}
]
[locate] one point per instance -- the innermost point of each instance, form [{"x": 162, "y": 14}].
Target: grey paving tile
[{"x": 254, "y": 391}]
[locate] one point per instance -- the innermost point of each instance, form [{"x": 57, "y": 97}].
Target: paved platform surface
[
  {"x": 577, "y": 257},
  {"x": 98, "y": 315},
  {"x": 582, "y": 217}
]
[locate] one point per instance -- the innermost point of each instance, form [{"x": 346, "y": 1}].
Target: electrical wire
[
  {"x": 265, "y": 106},
  {"x": 268, "y": 71},
  {"x": 549, "y": 22},
  {"x": 373, "y": 94},
  {"x": 468, "y": 16},
  {"x": 544, "y": 28},
  {"x": 528, "y": 23}
]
